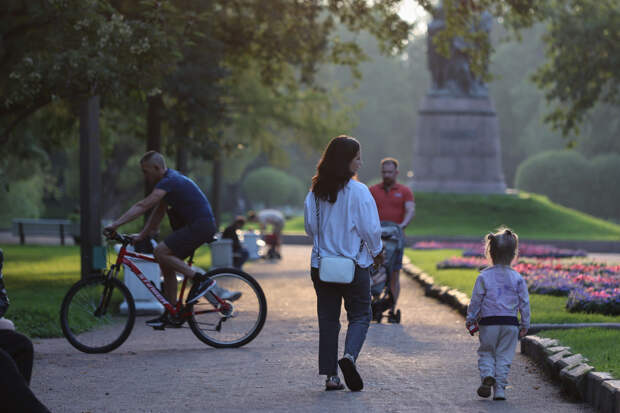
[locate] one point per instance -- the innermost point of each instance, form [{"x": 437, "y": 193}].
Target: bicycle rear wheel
[
  {"x": 91, "y": 316},
  {"x": 237, "y": 323}
]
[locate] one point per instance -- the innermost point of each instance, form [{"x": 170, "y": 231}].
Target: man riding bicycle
[{"x": 191, "y": 218}]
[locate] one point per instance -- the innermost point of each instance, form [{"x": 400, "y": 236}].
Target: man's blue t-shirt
[{"x": 184, "y": 197}]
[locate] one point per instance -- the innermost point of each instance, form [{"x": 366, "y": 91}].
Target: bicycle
[{"x": 93, "y": 320}]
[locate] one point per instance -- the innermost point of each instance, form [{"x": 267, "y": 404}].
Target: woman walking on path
[{"x": 346, "y": 219}]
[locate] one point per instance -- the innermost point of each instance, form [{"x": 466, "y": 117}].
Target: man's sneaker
[
  {"x": 351, "y": 377},
  {"x": 498, "y": 393},
  {"x": 333, "y": 383},
  {"x": 202, "y": 284},
  {"x": 225, "y": 294},
  {"x": 485, "y": 388},
  {"x": 164, "y": 321}
]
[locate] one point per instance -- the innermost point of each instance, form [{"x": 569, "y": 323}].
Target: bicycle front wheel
[
  {"x": 240, "y": 320},
  {"x": 97, "y": 314}
]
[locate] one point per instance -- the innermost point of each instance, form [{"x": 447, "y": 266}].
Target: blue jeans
[{"x": 328, "y": 303}]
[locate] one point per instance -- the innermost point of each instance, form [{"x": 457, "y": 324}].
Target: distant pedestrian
[
  {"x": 345, "y": 220},
  {"x": 395, "y": 203},
  {"x": 499, "y": 293},
  {"x": 276, "y": 219}
]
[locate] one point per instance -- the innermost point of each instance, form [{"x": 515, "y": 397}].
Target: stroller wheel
[{"x": 394, "y": 318}]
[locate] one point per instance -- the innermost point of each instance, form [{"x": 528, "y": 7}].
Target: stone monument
[{"x": 457, "y": 147}]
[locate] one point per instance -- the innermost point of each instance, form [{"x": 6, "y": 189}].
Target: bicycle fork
[{"x": 102, "y": 309}]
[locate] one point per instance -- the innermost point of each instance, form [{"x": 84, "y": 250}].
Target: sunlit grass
[
  {"x": 531, "y": 216},
  {"x": 599, "y": 346},
  {"x": 37, "y": 279}
]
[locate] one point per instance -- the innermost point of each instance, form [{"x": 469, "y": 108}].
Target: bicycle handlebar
[{"x": 115, "y": 236}]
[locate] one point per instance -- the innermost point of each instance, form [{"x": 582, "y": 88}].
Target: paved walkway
[{"x": 425, "y": 364}]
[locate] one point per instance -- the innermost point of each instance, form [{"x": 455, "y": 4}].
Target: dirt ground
[{"x": 425, "y": 364}]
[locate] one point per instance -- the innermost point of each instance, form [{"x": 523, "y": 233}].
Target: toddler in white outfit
[{"x": 498, "y": 294}]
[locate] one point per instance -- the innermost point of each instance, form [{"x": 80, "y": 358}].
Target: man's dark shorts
[{"x": 184, "y": 241}]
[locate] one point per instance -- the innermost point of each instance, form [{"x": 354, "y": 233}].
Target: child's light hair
[{"x": 502, "y": 247}]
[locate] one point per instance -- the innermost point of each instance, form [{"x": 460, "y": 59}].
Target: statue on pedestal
[{"x": 452, "y": 76}]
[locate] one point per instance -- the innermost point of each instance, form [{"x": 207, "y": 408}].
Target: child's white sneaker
[
  {"x": 485, "y": 388},
  {"x": 498, "y": 393}
]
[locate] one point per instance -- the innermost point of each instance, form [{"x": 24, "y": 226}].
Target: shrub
[
  {"x": 273, "y": 187},
  {"x": 605, "y": 195},
  {"x": 561, "y": 175}
]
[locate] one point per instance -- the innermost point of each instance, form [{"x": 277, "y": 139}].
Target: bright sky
[{"x": 411, "y": 11}]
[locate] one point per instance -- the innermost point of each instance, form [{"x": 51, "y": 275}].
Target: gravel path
[{"x": 425, "y": 364}]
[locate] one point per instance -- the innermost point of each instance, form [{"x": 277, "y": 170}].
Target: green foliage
[
  {"x": 21, "y": 199},
  {"x": 545, "y": 308},
  {"x": 582, "y": 46},
  {"x": 562, "y": 176},
  {"x": 531, "y": 216},
  {"x": 570, "y": 179},
  {"x": 605, "y": 171},
  {"x": 384, "y": 102},
  {"x": 598, "y": 345},
  {"x": 272, "y": 187},
  {"x": 71, "y": 48}
]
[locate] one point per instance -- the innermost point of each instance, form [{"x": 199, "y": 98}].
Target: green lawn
[
  {"x": 545, "y": 308},
  {"x": 531, "y": 216},
  {"x": 37, "y": 278},
  {"x": 598, "y": 345}
]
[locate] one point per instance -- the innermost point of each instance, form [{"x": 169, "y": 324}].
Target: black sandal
[{"x": 333, "y": 383}]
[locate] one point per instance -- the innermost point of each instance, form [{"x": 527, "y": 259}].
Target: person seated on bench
[
  {"x": 16, "y": 357},
  {"x": 240, "y": 254}
]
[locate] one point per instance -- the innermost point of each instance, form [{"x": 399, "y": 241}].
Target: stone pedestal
[{"x": 457, "y": 147}]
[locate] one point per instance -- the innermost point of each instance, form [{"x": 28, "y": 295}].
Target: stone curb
[{"x": 577, "y": 379}]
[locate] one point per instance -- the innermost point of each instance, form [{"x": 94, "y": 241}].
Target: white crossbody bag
[{"x": 339, "y": 270}]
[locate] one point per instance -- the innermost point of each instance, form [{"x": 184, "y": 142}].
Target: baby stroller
[
  {"x": 271, "y": 241},
  {"x": 382, "y": 299}
]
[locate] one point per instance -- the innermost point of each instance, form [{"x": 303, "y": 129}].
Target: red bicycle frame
[{"x": 173, "y": 310}]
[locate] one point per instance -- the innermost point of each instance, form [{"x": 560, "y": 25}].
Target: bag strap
[{"x": 318, "y": 233}]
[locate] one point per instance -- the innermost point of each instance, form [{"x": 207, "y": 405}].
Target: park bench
[{"x": 47, "y": 227}]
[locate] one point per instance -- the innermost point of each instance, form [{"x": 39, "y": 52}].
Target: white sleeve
[
  {"x": 475, "y": 302},
  {"x": 310, "y": 215},
  {"x": 524, "y": 303},
  {"x": 367, "y": 221}
]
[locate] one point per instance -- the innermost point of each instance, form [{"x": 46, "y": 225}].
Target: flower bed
[
  {"x": 590, "y": 286},
  {"x": 472, "y": 249},
  {"x": 594, "y": 300}
]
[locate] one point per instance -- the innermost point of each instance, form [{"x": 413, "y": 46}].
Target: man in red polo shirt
[{"x": 395, "y": 203}]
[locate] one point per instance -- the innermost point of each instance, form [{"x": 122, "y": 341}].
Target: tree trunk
[
  {"x": 90, "y": 188},
  {"x": 182, "y": 152},
  {"x": 153, "y": 129},
  {"x": 216, "y": 189},
  {"x": 153, "y": 135}
]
